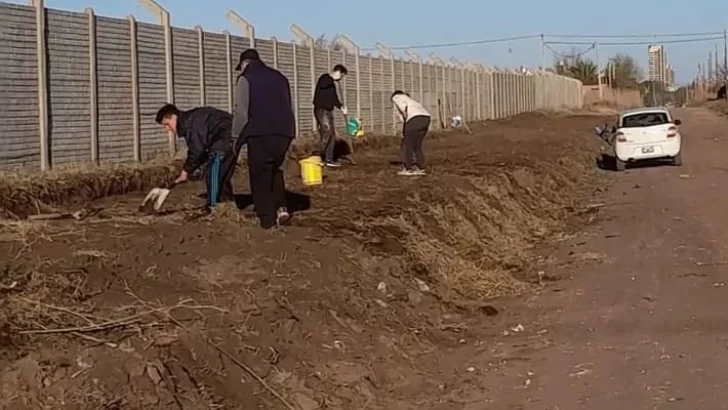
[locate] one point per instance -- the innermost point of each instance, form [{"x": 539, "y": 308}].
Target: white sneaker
[
  {"x": 406, "y": 172},
  {"x": 419, "y": 172},
  {"x": 283, "y": 217},
  {"x": 333, "y": 164}
]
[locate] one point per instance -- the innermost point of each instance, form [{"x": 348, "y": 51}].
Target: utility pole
[
  {"x": 543, "y": 45},
  {"x": 716, "y": 66},
  {"x": 599, "y": 73},
  {"x": 725, "y": 60}
]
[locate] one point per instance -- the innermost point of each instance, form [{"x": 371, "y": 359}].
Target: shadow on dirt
[
  {"x": 295, "y": 202},
  {"x": 608, "y": 162}
]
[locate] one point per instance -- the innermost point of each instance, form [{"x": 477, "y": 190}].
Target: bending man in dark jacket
[
  {"x": 206, "y": 131},
  {"x": 264, "y": 119},
  {"x": 325, "y": 99}
]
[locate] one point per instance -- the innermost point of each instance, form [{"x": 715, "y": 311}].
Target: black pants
[
  {"x": 327, "y": 133},
  {"x": 265, "y": 158},
  {"x": 414, "y": 131}
]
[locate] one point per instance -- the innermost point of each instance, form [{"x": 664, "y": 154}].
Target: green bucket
[{"x": 353, "y": 126}]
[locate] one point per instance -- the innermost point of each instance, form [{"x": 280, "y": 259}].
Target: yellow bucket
[{"x": 312, "y": 170}]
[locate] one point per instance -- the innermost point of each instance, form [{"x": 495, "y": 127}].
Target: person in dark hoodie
[
  {"x": 325, "y": 99},
  {"x": 206, "y": 131},
  {"x": 263, "y": 118}
]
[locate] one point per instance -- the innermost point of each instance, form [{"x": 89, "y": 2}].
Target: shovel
[{"x": 157, "y": 196}]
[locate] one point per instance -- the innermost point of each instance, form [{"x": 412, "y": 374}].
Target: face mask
[{"x": 336, "y": 75}]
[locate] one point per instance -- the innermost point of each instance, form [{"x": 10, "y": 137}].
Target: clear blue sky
[{"x": 413, "y": 22}]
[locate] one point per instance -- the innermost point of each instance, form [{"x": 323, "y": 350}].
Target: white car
[{"x": 647, "y": 134}]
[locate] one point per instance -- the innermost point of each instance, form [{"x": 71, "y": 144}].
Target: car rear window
[{"x": 645, "y": 119}]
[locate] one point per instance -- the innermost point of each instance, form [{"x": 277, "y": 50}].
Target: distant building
[{"x": 657, "y": 63}]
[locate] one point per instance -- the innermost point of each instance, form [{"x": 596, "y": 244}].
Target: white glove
[{"x": 344, "y": 110}]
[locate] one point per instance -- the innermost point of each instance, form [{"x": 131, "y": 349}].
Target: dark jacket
[
  {"x": 325, "y": 96},
  {"x": 205, "y": 130},
  {"x": 270, "y": 110}
]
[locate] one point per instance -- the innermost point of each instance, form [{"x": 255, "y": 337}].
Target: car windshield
[{"x": 645, "y": 119}]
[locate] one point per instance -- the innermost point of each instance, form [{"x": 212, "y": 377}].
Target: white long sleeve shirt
[{"x": 409, "y": 108}]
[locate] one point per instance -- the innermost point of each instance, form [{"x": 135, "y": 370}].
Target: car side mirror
[{"x": 677, "y": 122}]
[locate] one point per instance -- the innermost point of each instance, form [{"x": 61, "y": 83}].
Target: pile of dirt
[
  {"x": 471, "y": 225},
  {"x": 23, "y": 194}
]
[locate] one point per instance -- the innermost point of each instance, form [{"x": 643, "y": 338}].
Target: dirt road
[{"x": 647, "y": 329}]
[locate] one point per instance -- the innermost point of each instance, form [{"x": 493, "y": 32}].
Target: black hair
[
  {"x": 398, "y": 92},
  {"x": 166, "y": 111},
  {"x": 340, "y": 68}
]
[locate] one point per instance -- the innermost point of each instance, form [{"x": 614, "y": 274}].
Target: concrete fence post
[
  {"x": 421, "y": 73},
  {"x": 478, "y": 93},
  {"x": 414, "y": 57},
  {"x": 309, "y": 42},
  {"x": 229, "y": 67},
  {"x": 412, "y": 76},
  {"x": 402, "y": 75},
  {"x": 201, "y": 64},
  {"x": 387, "y": 53},
  {"x": 238, "y": 21},
  {"x": 440, "y": 84},
  {"x": 93, "y": 85},
  {"x": 383, "y": 98},
  {"x": 312, "y": 51},
  {"x": 295, "y": 88},
  {"x": 275, "y": 52},
  {"x": 135, "y": 103},
  {"x": 169, "y": 73},
  {"x": 491, "y": 94},
  {"x": 393, "y": 87},
  {"x": 344, "y": 85},
  {"x": 459, "y": 68},
  {"x": 370, "y": 60},
  {"x": 352, "y": 48},
  {"x": 463, "y": 91},
  {"x": 164, "y": 19},
  {"x": 42, "y": 67}
]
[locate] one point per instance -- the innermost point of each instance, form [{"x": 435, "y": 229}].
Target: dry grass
[
  {"x": 469, "y": 229},
  {"x": 720, "y": 107},
  {"x": 26, "y": 193}
]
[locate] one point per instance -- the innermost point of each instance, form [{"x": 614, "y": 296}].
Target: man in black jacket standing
[
  {"x": 325, "y": 99},
  {"x": 263, "y": 118},
  {"x": 206, "y": 131}
]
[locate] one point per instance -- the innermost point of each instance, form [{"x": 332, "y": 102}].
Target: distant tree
[
  {"x": 624, "y": 71},
  {"x": 585, "y": 71}
]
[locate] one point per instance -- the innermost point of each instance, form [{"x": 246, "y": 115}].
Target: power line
[
  {"x": 707, "y": 33},
  {"x": 464, "y": 43},
  {"x": 636, "y": 43},
  {"x": 701, "y": 35},
  {"x": 566, "y": 55}
]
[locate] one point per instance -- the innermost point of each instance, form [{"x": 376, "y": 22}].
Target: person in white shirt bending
[{"x": 416, "y": 121}]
